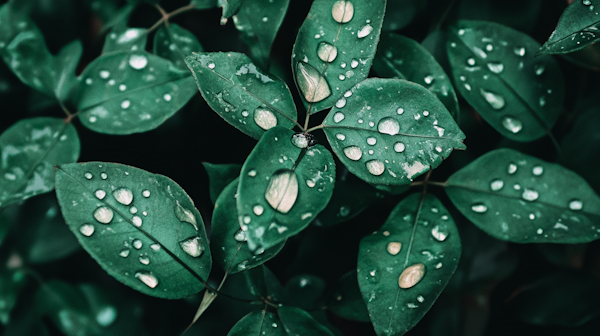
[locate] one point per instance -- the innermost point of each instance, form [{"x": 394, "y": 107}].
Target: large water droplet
[
  {"x": 389, "y": 126},
  {"x": 147, "y": 278},
  {"x": 342, "y": 11},
  {"x": 375, "y": 167},
  {"x": 365, "y": 31},
  {"x": 340, "y": 103},
  {"x": 264, "y": 118},
  {"x": 123, "y": 196},
  {"x": 353, "y": 153},
  {"x": 440, "y": 232},
  {"x": 86, "y": 229},
  {"x": 512, "y": 124},
  {"x": 479, "y": 208},
  {"x": 138, "y": 61},
  {"x": 496, "y": 185},
  {"x": 338, "y": 116},
  {"x": 575, "y": 205},
  {"x": 496, "y": 67},
  {"x": 313, "y": 85},
  {"x": 282, "y": 191},
  {"x": 103, "y": 215},
  {"x": 496, "y": 101},
  {"x": 327, "y": 52},
  {"x": 185, "y": 215},
  {"x": 394, "y": 248},
  {"x": 192, "y": 246},
  {"x": 300, "y": 140},
  {"x": 100, "y": 194},
  {"x": 411, "y": 276},
  {"x": 137, "y": 221},
  {"x": 530, "y": 195}
]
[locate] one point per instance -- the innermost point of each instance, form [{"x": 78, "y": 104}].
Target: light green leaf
[
  {"x": 282, "y": 187},
  {"x": 258, "y": 323},
  {"x": 401, "y": 57},
  {"x": 346, "y": 300},
  {"x": 335, "y": 48},
  {"x": 403, "y": 267},
  {"x": 298, "y": 322},
  {"x": 577, "y": 28},
  {"x": 228, "y": 241},
  {"x": 520, "y": 198},
  {"x": 142, "y": 228},
  {"x": 230, "y": 7},
  {"x": 495, "y": 71},
  {"x": 248, "y": 98},
  {"x": 389, "y": 131},
  {"x": 131, "y": 92},
  {"x": 258, "y": 22},
  {"x": 29, "y": 150},
  {"x": 220, "y": 176},
  {"x": 174, "y": 43},
  {"x": 125, "y": 39}
]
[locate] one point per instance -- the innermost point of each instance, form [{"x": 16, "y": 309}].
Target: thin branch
[{"x": 166, "y": 17}]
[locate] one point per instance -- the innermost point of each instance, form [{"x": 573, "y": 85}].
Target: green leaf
[
  {"x": 346, "y": 300},
  {"x": 305, "y": 292},
  {"x": 262, "y": 283},
  {"x": 204, "y": 4},
  {"x": 282, "y": 187},
  {"x": 258, "y": 22},
  {"x": 400, "y": 13},
  {"x": 392, "y": 190},
  {"x": 520, "y": 198},
  {"x": 125, "y": 39},
  {"x": 401, "y": 57},
  {"x": 174, "y": 43},
  {"x": 298, "y": 322},
  {"x": 403, "y": 267},
  {"x": 131, "y": 92},
  {"x": 142, "y": 228},
  {"x": 29, "y": 151},
  {"x": 230, "y": 7},
  {"x": 12, "y": 282},
  {"x": 219, "y": 176},
  {"x": 389, "y": 131},
  {"x": 577, "y": 28},
  {"x": 495, "y": 71},
  {"x": 228, "y": 241},
  {"x": 335, "y": 48},
  {"x": 258, "y": 323},
  {"x": 246, "y": 97},
  {"x": 119, "y": 18}
]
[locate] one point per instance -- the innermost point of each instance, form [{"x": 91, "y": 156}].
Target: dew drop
[
  {"x": 264, "y": 118},
  {"x": 340, "y": 137},
  {"x": 326, "y": 52},
  {"x": 496, "y": 185},
  {"x": 240, "y": 236},
  {"x": 123, "y": 196},
  {"x": 496, "y": 101},
  {"x": 167, "y": 97},
  {"x": 192, "y": 246},
  {"x": 146, "y": 193},
  {"x": 103, "y": 215},
  {"x": 539, "y": 69},
  {"x": 122, "y": 87},
  {"x": 519, "y": 51},
  {"x": 575, "y": 205},
  {"x": 365, "y": 31},
  {"x": 375, "y": 167},
  {"x": 211, "y": 65},
  {"x": 440, "y": 232},
  {"x": 512, "y": 168},
  {"x": 104, "y": 74},
  {"x": 252, "y": 173},
  {"x": 137, "y": 221},
  {"x": 371, "y": 141},
  {"x": 353, "y": 153},
  {"x": 394, "y": 248},
  {"x": 400, "y": 110},
  {"x": 411, "y": 276},
  {"x": 399, "y": 147},
  {"x": 258, "y": 209},
  {"x": 530, "y": 195},
  {"x": 88, "y": 176},
  {"x": 100, "y": 194},
  {"x": 514, "y": 125},
  {"x": 340, "y": 103},
  {"x": 338, "y": 116},
  {"x": 471, "y": 61},
  {"x": 353, "y": 63},
  {"x": 538, "y": 170},
  {"x": 282, "y": 191},
  {"x": 429, "y": 79},
  {"x": 144, "y": 260},
  {"x": 103, "y": 176},
  {"x": 496, "y": 67},
  {"x": 313, "y": 85},
  {"x": 479, "y": 208},
  {"x": 124, "y": 253},
  {"x": 133, "y": 210},
  {"x": 310, "y": 183},
  {"x": 138, "y": 62},
  {"x": 147, "y": 278},
  {"x": 155, "y": 247},
  {"x": 86, "y": 229},
  {"x": 342, "y": 11},
  {"x": 300, "y": 140},
  {"x": 137, "y": 244},
  {"x": 125, "y": 104},
  {"x": 389, "y": 126}
]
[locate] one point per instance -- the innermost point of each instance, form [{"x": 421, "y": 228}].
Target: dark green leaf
[
  {"x": 305, "y": 292},
  {"x": 119, "y": 18},
  {"x": 258, "y": 323},
  {"x": 282, "y": 187},
  {"x": 12, "y": 282},
  {"x": 335, "y": 48},
  {"x": 230, "y": 7},
  {"x": 264, "y": 284},
  {"x": 401, "y": 57},
  {"x": 125, "y": 39},
  {"x": 258, "y": 22},
  {"x": 242, "y": 94},
  {"x": 174, "y": 43},
  {"x": 142, "y": 228},
  {"x": 131, "y": 92},
  {"x": 495, "y": 71},
  {"x": 228, "y": 241},
  {"x": 400, "y": 13},
  {"x": 577, "y": 28},
  {"x": 346, "y": 301},
  {"x": 204, "y": 4},
  {"x": 298, "y": 322},
  {"x": 587, "y": 58},
  {"x": 219, "y": 176},
  {"x": 392, "y": 190},
  {"x": 519, "y": 198},
  {"x": 389, "y": 131},
  {"x": 30, "y": 149},
  {"x": 404, "y": 267}
]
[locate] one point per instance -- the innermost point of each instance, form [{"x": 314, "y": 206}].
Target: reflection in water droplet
[
  {"x": 365, "y": 31},
  {"x": 338, "y": 116},
  {"x": 389, "y": 126},
  {"x": 399, "y": 147},
  {"x": 440, "y": 232},
  {"x": 538, "y": 170},
  {"x": 575, "y": 205},
  {"x": 394, "y": 248},
  {"x": 138, "y": 62},
  {"x": 496, "y": 67},
  {"x": 103, "y": 215},
  {"x": 512, "y": 124},
  {"x": 124, "y": 253},
  {"x": 100, "y": 194},
  {"x": 326, "y": 52},
  {"x": 282, "y": 191},
  {"x": 411, "y": 276},
  {"x": 123, "y": 196},
  {"x": 375, "y": 167},
  {"x": 86, "y": 229},
  {"x": 496, "y": 185},
  {"x": 353, "y": 153},
  {"x": 530, "y": 195},
  {"x": 479, "y": 208},
  {"x": 496, "y": 101},
  {"x": 264, "y": 118},
  {"x": 342, "y": 11},
  {"x": 147, "y": 278},
  {"x": 313, "y": 85},
  {"x": 192, "y": 246},
  {"x": 137, "y": 221}
]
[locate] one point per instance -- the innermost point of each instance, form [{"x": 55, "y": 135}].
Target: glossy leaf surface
[
  {"x": 334, "y": 49},
  {"x": 248, "y": 98},
  {"x": 258, "y": 323},
  {"x": 404, "y": 58},
  {"x": 142, "y": 228},
  {"x": 298, "y": 322},
  {"x": 220, "y": 176},
  {"x": 346, "y": 300},
  {"x": 131, "y": 92},
  {"x": 403, "y": 267},
  {"x": 495, "y": 70},
  {"x": 519, "y": 198},
  {"x": 29, "y": 150},
  {"x": 125, "y": 39},
  {"x": 282, "y": 188},
  {"x": 174, "y": 43},
  {"x": 230, "y": 7},
  {"x": 389, "y": 131}
]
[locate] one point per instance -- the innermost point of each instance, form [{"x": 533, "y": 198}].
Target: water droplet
[
  {"x": 399, "y": 147},
  {"x": 282, "y": 191},
  {"x": 264, "y": 118},
  {"x": 496, "y": 185},
  {"x": 100, "y": 194},
  {"x": 123, "y": 196},
  {"x": 429, "y": 79},
  {"x": 125, "y": 104},
  {"x": 211, "y": 65},
  {"x": 496, "y": 101},
  {"x": 471, "y": 61},
  {"x": 155, "y": 247},
  {"x": 542, "y": 101},
  {"x": 124, "y": 253},
  {"x": 138, "y": 62},
  {"x": 104, "y": 74},
  {"x": 340, "y": 137},
  {"x": 192, "y": 246},
  {"x": 496, "y": 67},
  {"x": 575, "y": 205},
  {"x": 342, "y": 11},
  {"x": 389, "y": 126},
  {"x": 340, "y": 103},
  {"x": 240, "y": 236},
  {"x": 137, "y": 221},
  {"x": 371, "y": 141},
  {"x": 338, "y": 116},
  {"x": 425, "y": 113},
  {"x": 167, "y": 97},
  {"x": 512, "y": 124},
  {"x": 86, "y": 229},
  {"x": 326, "y": 52},
  {"x": 310, "y": 183},
  {"x": 122, "y": 87},
  {"x": 252, "y": 173},
  {"x": 300, "y": 140},
  {"x": 353, "y": 153},
  {"x": 137, "y": 244},
  {"x": 539, "y": 69},
  {"x": 519, "y": 51},
  {"x": 411, "y": 276},
  {"x": 400, "y": 110},
  {"x": 587, "y": 2},
  {"x": 88, "y": 176},
  {"x": 341, "y": 77},
  {"x": 375, "y": 167},
  {"x": 512, "y": 168},
  {"x": 313, "y": 85},
  {"x": 365, "y": 31},
  {"x": 479, "y": 208},
  {"x": 440, "y": 232},
  {"x": 538, "y": 170},
  {"x": 144, "y": 260},
  {"x": 147, "y": 278},
  {"x": 103, "y": 176},
  {"x": 146, "y": 193},
  {"x": 133, "y": 210},
  {"x": 530, "y": 195},
  {"x": 394, "y": 248},
  {"x": 103, "y": 215},
  {"x": 258, "y": 209}
]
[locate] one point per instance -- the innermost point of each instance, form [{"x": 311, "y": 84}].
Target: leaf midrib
[{"x": 400, "y": 134}]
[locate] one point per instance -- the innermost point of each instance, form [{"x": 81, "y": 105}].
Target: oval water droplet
[
  {"x": 211, "y": 65},
  {"x": 537, "y": 170},
  {"x": 394, "y": 248},
  {"x": 137, "y": 244},
  {"x": 327, "y": 52},
  {"x": 471, "y": 61},
  {"x": 124, "y": 253},
  {"x": 399, "y": 147},
  {"x": 353, "y": 153},
  {"x": 147, "y": 278},
  {"x": 240, "y": 236},
  {"x": 479, "y": 208},
  {"x": 100, "y": 194},
  {"x": 192, "y": 246},
  {"x": 496, "y": 67},
  {"x": 496, "y": 101},
  {"x": 371, "y": 141},
  {"x": 86, "y": 229},
  {"x": 512, "y": 124},
  {"x": 353, "y": 63},
  {"x": 365, "y": 31},
  {"x": 137, "y": 221},
  {"x": 342, "y": 11},
  {"x": 138, "y": 62},
  {"x": 282, "y": 191},
  {"x": 258, "y": 209},
  {"x": 312, "y": 84},
  {"x": 375, "y": 167},
  {"x": 252, "y": 173},
  {"x": 530, "y": 195},
  {"x": 389, "y": 126},
  {"x": 539, "y": 69},
  {"x": 300, "y": 140},
  {"x": 496, "y": 185},
  {"x": 125, "y": 104},
  {"x": 103, "y": 215},
  {"x": 88, "y": 176},
  {"x": 338, "y": 116},
  {"x": 340, "y": 103},
  {"x": 123, "y": 196},
  {"x": 340, "y": 137},
  {"x": 429, "y": 79},
  {"x": 155, "y": 247},
  {"x": 440, "y": 232},
  {"x": 146, "y": 193},
  {"x": 103, "y": 176},
  {"x": 264, "y": 118},
  {"x": 575, "y": 205},
  {"x": 411, "y": 276},
  {"x": 519, "y": 51}
]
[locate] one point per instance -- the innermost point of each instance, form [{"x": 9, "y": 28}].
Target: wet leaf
[
  {"x": 30, "y": 149},
  {"x": 400, "y": 13},
  {"x": 248, "y": 98},
  {"x": 389, "y": 131},
  {"x": 174, "y": 43},
  {"x": 125, "y": 39},
  {"x": 12, "y": 282},
  {"x": 306, "y": 292},
  {"x": 298, "y": 322},
  {"x": 230, "y": 7},
  {"x": 262, "y": 283},
  {"x": 258, "y": 22},
  {"x": 403, "y": 267},
  {"x": 495, "y": 70},
  {"x": 334, "y": 49},
  {"x": 520, "y": 198},
  {"x": 142, "y": 228},
  {"x": 577, "y": 28},
  {"x": 219, "y": 176},
  {"x": 258, "y": 323},
  {"x": 228, "y": 241},
  {"x": 131, "y": 92},
  {"x": 346, "y": 300},
  {"x": 282, "y": 188},
  {"x": 401, "y": 57}
]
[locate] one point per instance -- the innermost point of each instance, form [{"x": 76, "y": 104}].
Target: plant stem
[
  {"x": 314, "y": 128},
  {"x": 167, "y": 16}
]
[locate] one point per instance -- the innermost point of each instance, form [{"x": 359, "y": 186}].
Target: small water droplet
[
  {"x": 167, "y": 97},
  {"x": 512, "y": 168},
  {"x": 429, "y": 79},
  {"x": 353, "y": 63},
  {"x": 365, "y": 31},
  {"x": 353, "y": 153},
  {"x": 399, "y": 147},
  {"x": 264, "y": 118},
  {"x": 496, "y": 67},
  {"x": 123, "y": 196},
  {"x": 133, "y": 210},
  {"x": 338, "y": 116},
  {"x": 371, "y": 141},
  {"x": 88, "y": 176},
  {"x": 122, "y": 87},
  {"x": 124, "y": 253},
  {"x": 394, "y": 248},
  {"x": 258, "y": 209},
  {"x": 211, "y": 65},
  {"x": 341, "y": 77},
  {"x": 125, "y": 104},
  {"x": 326, "y": 52},
  {"x": 312, "y": 84},
  {"x": 144, "y": 260},
  {"x": 282, "y": 191},
  {"x": 310, "y": 183},
  {"x": 496, "y": 101},
  {"x": 138, "y": 62},
  {"x": 539, "y": 69},
  {"x": 479, "y": 208},
  {"x": 471, "y": 61},
  {"x": 137, "y": 221},
  {"x": 530, "y": 195},
  {"x": 240, "y": 236},
  {"x": 340, "y": 137},
  {"x": 512, "y": 124},
  {"x": 440, "y": 232},
  {"x": 400, "y": 110},
  {"x": 103, "y": 215},
  {"x": 342, "y": 11},
  {"x": 192, "y": 246},
  {"x": 538, "y": 170},
  {"x": 104, "y": 74},
  {"x": 575, "y": 205},
  {"x": 103, "y": 176},
  {"x": 146, "y": 193},
  {"x": 147, "y": 278},
  {"x": 137, "y": 244},
  {"x": 300, "y": 140},
  {"x": 100, "y": 194},
  {"x": 155, "y": 247},
  {"x": 86, "y": 229},
  {"x": 519, "y": 51},
  {"x": 411, "y": 276},
  {"x": 389, "y": 126},
  {"x": 340, "y": 103},
  {"x": 496, "y": 185},
  {"x": 375, "y": 167},
  {"x": 252, "y": 173}
]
